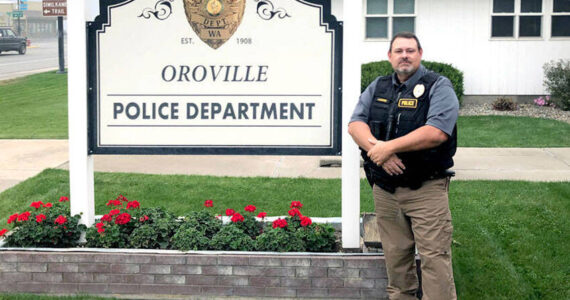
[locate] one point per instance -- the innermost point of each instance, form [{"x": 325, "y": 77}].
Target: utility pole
[
  {"x": 60, "y": 45},
  {"x": 19, "y": 28}
]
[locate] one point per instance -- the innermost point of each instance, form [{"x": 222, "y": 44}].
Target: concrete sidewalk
[{"x": 21, "y": 159}]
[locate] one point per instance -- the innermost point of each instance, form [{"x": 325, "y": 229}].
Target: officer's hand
[
  {"x": 378, "y": 153},
  {"x": 394, "y": 166}
]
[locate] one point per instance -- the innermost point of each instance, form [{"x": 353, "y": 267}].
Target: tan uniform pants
[{"x": 418, "y": 218}]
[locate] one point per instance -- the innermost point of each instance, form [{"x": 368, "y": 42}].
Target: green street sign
[{"x": 17, "y": 14}]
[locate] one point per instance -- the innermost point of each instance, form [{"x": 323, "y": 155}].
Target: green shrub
[
  {"x": 504, "y": 104},
  {"x": 144, "y": 237},
  {"x": 382, "y": 68},
  {"x": 318, "y": 238},
  {"x": 557, "y": 82},
  {"x": 231, "y": 238},
  {"x": 370, "y": 71},
  {"x": 202, "y": 221},
  {"x": 279, "y": 240},
  {"x": 154, "y": 235},
  {"x": 45, "y": 225},
  {"x": 129, "y": 226},
  {"x": 189, "y": 238},
  {"x": 165, "y": 229},
  {"x": 250, "y": 226},
  {"x": 113, "y": 237}
]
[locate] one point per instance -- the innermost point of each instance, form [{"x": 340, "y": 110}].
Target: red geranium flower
[
  {"x": 262, "y": 215},
  {"x": 113, "y": 212},
  {"x": 306, "y": 221},
  {"x": 143, "y": 218},
  {"x": 296, "y": 204},
  {"x": 24, "y": 216},
  {"x": 114, "y": 203},
  {"x": 230, "y": 212},
  {"x": 3, "y": 232},
  {"x": 101, "y": 230},
  {"x": 36, "y": 205},
  {"x": 281, "y": 223},
  {"x": 250, "y": 208},
  {"x": 48, "y": 205},
  {"x": 107, "y": 218},
  {"x": 122, "y": 198},
  {"x": 295, "y": 212},
  {"x": 40, "y": 218},
  {"x": 209, "y": 203},
  {"x": 99, "y": 225},
  {"x": 63, "y": 199},
  {"x": 60, "y": 220},
  {"x": 13, "y": 218},
  {"x": 123, "y": 218},
  {"x": 237, "y": 217},
  {"x": 133, "y": 204}
]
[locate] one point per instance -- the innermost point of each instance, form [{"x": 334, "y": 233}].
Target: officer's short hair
[{"x": 406, "y": 35}]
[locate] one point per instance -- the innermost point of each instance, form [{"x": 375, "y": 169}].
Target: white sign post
[
  {"x": 80, "y": 163},
  {"x": 352, "y": 15}
]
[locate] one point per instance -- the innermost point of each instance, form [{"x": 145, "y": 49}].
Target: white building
[{"x": 500, "y": 45}]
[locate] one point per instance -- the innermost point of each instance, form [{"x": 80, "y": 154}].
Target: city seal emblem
[{"x": 214, "y": 21}]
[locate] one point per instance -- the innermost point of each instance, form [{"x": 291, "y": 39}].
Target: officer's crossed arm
[
  {"x": 425, "y": 137},
  {"x": 362, "y": 135}
]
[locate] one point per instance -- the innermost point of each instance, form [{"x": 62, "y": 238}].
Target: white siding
[{"x": 458, "y": 32}]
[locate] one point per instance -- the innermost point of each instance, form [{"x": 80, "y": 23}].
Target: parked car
[{"x": 9, "y": 41}]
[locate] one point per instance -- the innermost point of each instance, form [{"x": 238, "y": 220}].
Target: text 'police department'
[{"x": 213, "y": 111}]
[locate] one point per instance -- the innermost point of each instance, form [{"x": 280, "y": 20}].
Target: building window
[
  {"x": 516, "y": 18},
  {"x": 385, "y": 18},
  {"x": 561, "y": 18}
]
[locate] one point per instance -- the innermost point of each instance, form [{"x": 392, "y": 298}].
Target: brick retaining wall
[{"x": 246, "y": 275}]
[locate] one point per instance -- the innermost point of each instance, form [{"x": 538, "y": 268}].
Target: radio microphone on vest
[{"x": 390, "y": 123}]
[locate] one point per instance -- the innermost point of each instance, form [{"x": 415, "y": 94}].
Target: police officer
[{"x": 405, "y": 124}]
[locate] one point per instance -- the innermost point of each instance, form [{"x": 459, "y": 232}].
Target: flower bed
[
  {"x": 174, "y": 272},
  {"x": 128, "y": 225}
]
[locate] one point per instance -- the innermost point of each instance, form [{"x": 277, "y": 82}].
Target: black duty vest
[{"x": 395, "y": 113}]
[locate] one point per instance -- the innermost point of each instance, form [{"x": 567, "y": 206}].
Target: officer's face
[{"x": 405, "y": 56}]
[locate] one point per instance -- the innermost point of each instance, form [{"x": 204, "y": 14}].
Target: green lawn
[
  {"x": 35, "y": 107},
  {"x": 511, "y": 237},
  {"x": 505, "y": 131}
]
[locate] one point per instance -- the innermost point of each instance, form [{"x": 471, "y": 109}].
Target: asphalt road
[{"x": 41, "y": 56}]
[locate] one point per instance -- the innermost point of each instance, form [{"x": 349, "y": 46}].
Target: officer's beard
[{"x": 406, "y": 72}]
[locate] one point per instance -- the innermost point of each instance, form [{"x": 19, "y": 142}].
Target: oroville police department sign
[{"x": 215, "y": 77}]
